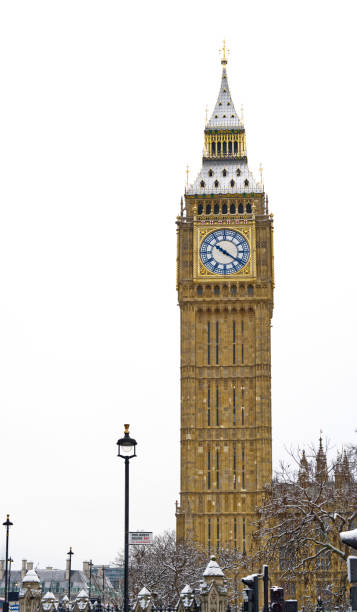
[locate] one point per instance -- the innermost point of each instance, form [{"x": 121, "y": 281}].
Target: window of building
[
  {"x": 234, "y": 467},
  {"x": 210, "y": 172},
  {"x": 213, "y": 153},
  {"x": 240, "y": 208},
  {"x": 209, "y": 405},
  {"x": 233, "y": 290},
  {"x": 216, "y": 209},
  {"x": 250, "y": 290},
  {"x": 208, "y": 209},
  {"x": 230, "y": 147},
  {"x": 208, "y": 469},
  {"x": 217, "y": 341},
  {"x": 232, "y": 209},
  {"x": 200, "y": 209},
  {"x": 199, "y": 290},
  {"x": 224, "y": 209},
  {"x": 249, "y": 208},
  {"x": 232, "y": 183},
  {"x": 217, "y": 469},
  {"x": 238, "y": 172},
  {"x": 224, "y": 172},
  {"x": 224, "y": 146},
  {"x": 216, "y": 290},
  {"x": 216, "y": 184},
  {"x": 234, "y": 404},
  {"x": 246, "y": 182},
  {"x": 217, "y": 406},
  {"x": 202, "y": 183},
  {"x": 234, "y": 342},
  {"x": 209, "y": 342}
]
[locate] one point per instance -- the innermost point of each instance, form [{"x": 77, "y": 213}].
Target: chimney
[
  {"x": 67, "y": 569},
  {"x": 30, "y": 565},
  {"x": 23, "y": 568},
  {"x": 86, "y": 568},
  {"x": 2, "y": 569}
]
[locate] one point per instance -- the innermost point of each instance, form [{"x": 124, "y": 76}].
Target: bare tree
[
  {"x": 302, "y": 513},
  {"x": 167, "y": 566}
]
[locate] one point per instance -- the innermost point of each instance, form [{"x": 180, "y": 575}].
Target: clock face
[{"x": 224, "y": 251}]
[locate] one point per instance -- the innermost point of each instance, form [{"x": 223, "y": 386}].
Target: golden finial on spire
[
  {"x": 224, "y": 51},
  {"x": 206, "y": 114},
  {"x": 187, "y": 173},
  {"x": 261, "y": 173}
]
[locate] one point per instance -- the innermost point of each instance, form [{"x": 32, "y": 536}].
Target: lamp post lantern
[
  {"x": 70, "y": 553},
  {"x": 126, "y": 450},
  {"x": 7, "y": 524}
]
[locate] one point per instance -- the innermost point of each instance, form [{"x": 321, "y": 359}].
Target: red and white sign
[{"x": 140, "y": 537}]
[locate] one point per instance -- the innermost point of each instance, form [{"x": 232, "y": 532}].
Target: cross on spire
[{"x": 224, "y": 51}]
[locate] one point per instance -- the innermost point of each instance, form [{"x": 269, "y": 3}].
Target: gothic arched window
[
  {"x": 249, "y": 208},
  {"x": 216, "y": 209},
  {"x": 216, "y": 184},
  {"x": 200, "y": 209},
  {"x": 208, "y": 209},
  {"x": 240, "y": 208},
  {"x": 213, "y": 151},
  {"x": 232, "y": 209},
  {"x": 224, "y": 209}
]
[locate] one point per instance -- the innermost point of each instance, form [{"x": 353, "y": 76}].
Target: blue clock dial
[{"x": 224, "y": 251}]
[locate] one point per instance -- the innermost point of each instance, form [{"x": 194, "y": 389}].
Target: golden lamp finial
[
  {"x": 261, "y": 173},
  {"x": 187, "y": 173},
  {"x": 224, "y": 51},
  {"x": 126, "y": 428}
]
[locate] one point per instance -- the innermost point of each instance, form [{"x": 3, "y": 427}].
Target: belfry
[{"x": 225, "y": 288}]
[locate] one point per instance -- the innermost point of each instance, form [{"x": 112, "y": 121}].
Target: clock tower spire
[{"x": 225, "y": 291}]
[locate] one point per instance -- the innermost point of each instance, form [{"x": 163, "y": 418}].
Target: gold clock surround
[{"x": 201, "y": 230}]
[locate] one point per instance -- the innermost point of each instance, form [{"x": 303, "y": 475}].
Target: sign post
[{"x": 138, "y": 538}]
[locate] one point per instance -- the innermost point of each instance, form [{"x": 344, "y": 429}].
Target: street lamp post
[
  {"x": 103, "y": 585},
  {"x": 7, "y": 524},
  {"x": 9, "y": 578},
  {"x": 90, "y": 577},
  {"x": 126, "y": 450},
  {"x": 70, "y": 553}
]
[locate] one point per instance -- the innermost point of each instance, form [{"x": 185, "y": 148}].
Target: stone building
[{"x": 225, "y": 285}]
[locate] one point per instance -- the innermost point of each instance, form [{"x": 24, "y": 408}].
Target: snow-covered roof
[
  {"x": 65, "y": 599},
  {"x": 186, "y": 589},
  {"x": 31, "y": 576},
  {"x": 82, "y": 594},
  {"x": 144, "y": 591},
  {"x": 48, "y": 595},
  {"x": 224, "y": 114},
  {"x": 213, "y": 568},
  {"x": 224, "y": 176}
]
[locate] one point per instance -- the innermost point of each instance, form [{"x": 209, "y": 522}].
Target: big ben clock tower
[{"x": 225, "y": 289}]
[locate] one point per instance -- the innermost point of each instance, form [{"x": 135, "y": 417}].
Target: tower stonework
[{"x": 225, "y": 290}]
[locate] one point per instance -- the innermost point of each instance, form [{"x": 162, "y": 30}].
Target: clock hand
[{"x": 225, "y": 252}]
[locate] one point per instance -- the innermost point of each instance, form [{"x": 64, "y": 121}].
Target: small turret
[
  {"x": 30, "y": 592},
  {"x": 321, "y": 473},
  {"x": 303, "y": 476}
]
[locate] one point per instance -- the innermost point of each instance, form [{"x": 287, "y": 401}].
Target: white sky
[{"x": 102, "y": 106}]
